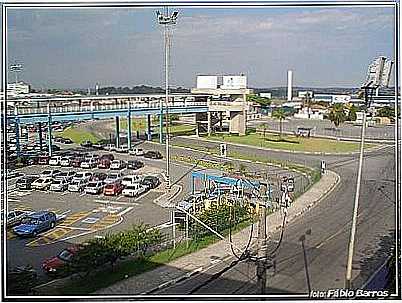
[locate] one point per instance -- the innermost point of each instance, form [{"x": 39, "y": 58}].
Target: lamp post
[
  {"x": 378, "y": 75},
  {"x": 166, "y": 20}
]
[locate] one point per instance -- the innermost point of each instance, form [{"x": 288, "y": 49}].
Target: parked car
[
  {"x": 109, "y": 147},
  {"x": 67, "y": 175},
  {"x": 104, "y": 163},
  {"x": 55, "y": 147},
  {"x": 151, "y": 182},
  {"x": 118, "y": 164},
  {"x": 55, "y": 160},
  {"x": 91, "y": 157},
  {"x": 50, "y": 173},
  {"x": 113, "y": 177},
  {"x": 59, "y": 184},
  {"x": 14, "y": 217},
  {"x": 58, "y": 264},
  {"x": 97, "y": 146},
  {"x": 131, "y": 179},
  {"x": 35, "y": 223},
  {"x": 122, "y": 149},
  {"x": 134, "y": 190},
  {"x": 68, "y": 141},
  {"x": 42, "y": 183},
  {"x": 153, "y": 155},
  {"x": 107, "y": 156},
  {"x": 98, "y": 176},
  {"x": 134, "y": 164},
  {"x": 83, "y": 176},
  {"x": 77, "y": 185},
  {"x": 88, "y": 163},
  {"x": 113, "y": 189},
  {"x": 76, "y": 162},
  {"x": 94, "y": 187},
  {"x": 43, "y": 160},
  {"x": 65, "y": 161},
  {"x": 26, "y": 181},
  {"x": 136, "y": 152},
  {"x": 58, "y": 139},
  {"x": 86, "y": 144}
]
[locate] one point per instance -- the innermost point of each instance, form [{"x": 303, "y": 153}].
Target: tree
[
  {"x": 386, "y": 111},
  {"x": 280, "y": 115},
  {"x": 264, "y": 102},
  {"x": 352, "y": 113},
  {"x": 337, "y": 114}
]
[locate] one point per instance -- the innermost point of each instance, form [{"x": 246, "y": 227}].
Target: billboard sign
[
  {"x": 386, "y": 73},
  {"x": 374, "y": 73}
]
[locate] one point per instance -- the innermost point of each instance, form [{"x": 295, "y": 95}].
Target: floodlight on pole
[
  {"x": 16, "y": 68},
  {"x": 166, "y": 20},
  {"x": 378, "y": 75}
]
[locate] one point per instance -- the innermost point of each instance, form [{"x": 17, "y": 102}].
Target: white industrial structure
[
  {"x": 290, "y": 85},
  {"x": 18, "y": 88},
  {"x": 207, "y": 82}
]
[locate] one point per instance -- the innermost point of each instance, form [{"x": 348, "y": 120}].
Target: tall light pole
[
  {"x": 166, "y": 20},
  {"x": 378, "y": 75}
]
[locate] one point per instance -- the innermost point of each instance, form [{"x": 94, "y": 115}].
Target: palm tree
[
  {"x": 337, "y": 114},
  {"x": 307, "y": 103},
  {"x": 280, "y": 115}
]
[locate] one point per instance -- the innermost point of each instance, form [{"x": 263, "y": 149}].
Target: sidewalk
[{"x": 186, "y": 266}]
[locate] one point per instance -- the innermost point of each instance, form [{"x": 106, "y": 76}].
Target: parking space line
[
  {"x": 13, "y": 200},
  {"x": 105, "y": 221},
  {"x": 69, "y": 220},
  {"x": 114, "y": 202},
  {"x": 10, "y": 234},
  {"x": 50, "y": 236},
  {"x": 125, "y": 211}
]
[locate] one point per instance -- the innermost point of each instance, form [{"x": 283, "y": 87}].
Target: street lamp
[
  {"x": 166, "y": 20},
  {"x": 378, "y": 75}
]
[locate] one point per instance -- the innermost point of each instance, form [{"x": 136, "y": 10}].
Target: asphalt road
[
  {"x": 327, "y": 128},
  {"x": 326, "y": 229}
]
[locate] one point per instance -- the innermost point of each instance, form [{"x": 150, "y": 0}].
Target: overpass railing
[{"x": 74, "y": 108}]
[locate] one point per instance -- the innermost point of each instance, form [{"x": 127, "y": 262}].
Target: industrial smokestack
[
  {"x": 290, "y": 84},
  {"x": 97, "y": 89}
]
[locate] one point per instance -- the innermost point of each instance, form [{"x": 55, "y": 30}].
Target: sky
[{"x": 77, "y": 48}]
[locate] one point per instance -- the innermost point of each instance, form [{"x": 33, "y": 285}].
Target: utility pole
[
  {"x": 378, "y": 75},
  {"x": 262, "y": 252}
]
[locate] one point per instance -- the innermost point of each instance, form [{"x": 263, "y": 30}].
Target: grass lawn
[
  {"x": 140, "y": 125},
  {"x": 293, "y": 143},
  {"x": 77, "y": 135}
]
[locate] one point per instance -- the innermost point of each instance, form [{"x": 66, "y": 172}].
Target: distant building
[
  {"x": 303, "y": 94},
  {"x": 18, "y": 88},
  {"x": 266, "y": 95},
  {"x": 315, "y": 112},
  {"x": 330, "y": 98}
]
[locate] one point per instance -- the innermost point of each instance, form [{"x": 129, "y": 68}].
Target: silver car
[
  {"x": 95, "y": 187},
  {"x": 77, "y": 185},
  {"x": 59, "y": 184}
]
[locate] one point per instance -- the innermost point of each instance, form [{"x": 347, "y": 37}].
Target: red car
[
  {"x": 55, "y": 265},
  {"x": 76, "y": 162},
  {"x": 113, "y": 189},
  {"x": 104, "y": 163}
]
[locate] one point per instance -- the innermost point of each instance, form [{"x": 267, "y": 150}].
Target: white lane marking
[
  {"x": 83, "y": 194},
  {"x": 114, "y": 202},
  {"x": 74, "y": 228},
  {"x": 13, "y": 200},
  {"x": 163, "y": 225},
  {"x": 125, "y": 211},
  {"x": 65, "y": 193},
  {"x": 118, "y": 198},
  {"x": 62, "y": 215}
]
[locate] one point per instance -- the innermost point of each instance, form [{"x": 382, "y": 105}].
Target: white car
[
  {"x": 113, "y": 177},
  {"x": 42, "y": 183},
  {"x": 68, "y": 175},
  {"x": 109, "y": 147},
  {"x": 65, "y": 161},
  {"x": 59, "y": 185},
  {"x": 82, "y": 176},
  {"x": 89, "y": 163},
  {"x": 77, "y": 185},
  {"x": 122, "y": 149},
  {"x": 136, "y": 152},
  {"x": 131, "y": 180},
  {"x": 117, "y": 164},
  {"x": 14, "y": 217},
  {"x": 55, "y": 160},
  {"x": 52, "y": 173},
  {"x": 94, "y": 187},
  {"x": 134, "y": 190}
]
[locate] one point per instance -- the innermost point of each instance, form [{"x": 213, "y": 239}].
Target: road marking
[
  {"x": 10, "y": 234},
  {"x": 114, "y": 202},
  {"x": 83, "y": 194},
  {"x": 13, "y": 200},
  {"x": 65, "y": 193},
  {"x": 106, "y": 221},
  {"x": 49, "y": 237},
  {"x": 125, "y": 211},
  {"x": 90, "y": 220},
  {"x": 118, "y": 198},
  {"x": 69, "y": 220}
]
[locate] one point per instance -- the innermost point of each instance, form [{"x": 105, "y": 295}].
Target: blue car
[{"x": 35, "y": 223}]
